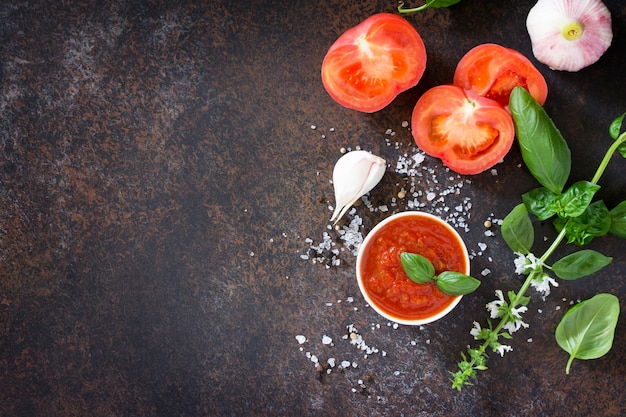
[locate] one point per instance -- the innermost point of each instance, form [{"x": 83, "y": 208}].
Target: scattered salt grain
[
  {"x": 326, "y": 340},
  {"x": 301, "y": 339},
  {"x": 485, "y": 272}
]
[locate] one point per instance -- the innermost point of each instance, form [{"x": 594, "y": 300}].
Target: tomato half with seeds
[
  {"x": 373, "y": 62},
  {"x": 469, "y": 133},
  {"x": 492, "y": 71}
]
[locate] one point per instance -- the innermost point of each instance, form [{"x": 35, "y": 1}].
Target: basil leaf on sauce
[
  {"x": 456, "y": 283},
  {"x": 417, "y": 267}
]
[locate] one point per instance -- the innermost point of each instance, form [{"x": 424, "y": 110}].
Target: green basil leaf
[
  {"x": 587, "y": 330},
  {"x": 541, "y": 202},
  {"x": 430, "y": 4},
  {"x": 615, "y": 127},
  {"x": 594, "y": 222},
  {"x": 517, "y": 230},
  {"x": 576, "y": 198},
  {"x": 580, "y": 264},
  {"x": 435, "y": 4},
  {"x": 618, "y": 220},
  {"x": 417, "y": 267},
  {"x": 543, "y": 148},
  {"x": 456, "y": 283}
]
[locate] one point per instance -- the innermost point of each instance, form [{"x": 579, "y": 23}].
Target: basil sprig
[
  {"x": 587, "y": 329},
  {"x": 419, "y": 269}
]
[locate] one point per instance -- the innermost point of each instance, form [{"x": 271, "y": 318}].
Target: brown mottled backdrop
[{"x": 159, "y": 182}]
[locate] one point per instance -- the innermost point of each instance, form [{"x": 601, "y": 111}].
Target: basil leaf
[
  {"x": 456, "y": 283},
  {"x": 576, "y": 198},
  {"x": 587, "y": 330},
  {"x": 417, "y": 267},
  {"x": 615, "y": 127},
  {"x": 430, "y": 4},
  {"x": 517, "y": 230},
  {"x": 543, "y": 149},
  {"x": 594, "y": 222},
  {"x": 580, "y": 264},
  {"x": 434, "y": 4},
  {"x": 618, "y": 220},
  {"x": 541, "y": 202}
]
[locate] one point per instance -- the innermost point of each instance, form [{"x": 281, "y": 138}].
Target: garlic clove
[
  {"x": 569, "y": 35},
  {"x": 354, "y": 175}
]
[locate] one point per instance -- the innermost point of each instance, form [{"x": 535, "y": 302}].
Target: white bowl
[{"x": 380, "y": 228}]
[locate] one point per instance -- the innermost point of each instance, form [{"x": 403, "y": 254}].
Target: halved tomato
[
  {"x": 493, "y": 71},
  {"x": 469, "y": 133},
  {"x": 373, "y": 62}
]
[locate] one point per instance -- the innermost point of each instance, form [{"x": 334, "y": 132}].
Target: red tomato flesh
[
  {"x": 469, "y": 133},
  {"x": 493, "y": 71},
  {"x": 373, "y": 62},
  {"x": 384, "y": 279}
]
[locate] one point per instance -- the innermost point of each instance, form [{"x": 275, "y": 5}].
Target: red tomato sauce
[{"x": 384, "y": 278}]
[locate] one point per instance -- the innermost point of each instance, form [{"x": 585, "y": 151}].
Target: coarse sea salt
[{"x": 424, "y": 184}]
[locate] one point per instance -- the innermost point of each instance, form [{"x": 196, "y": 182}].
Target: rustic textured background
[{"x": 160, "y": 180}]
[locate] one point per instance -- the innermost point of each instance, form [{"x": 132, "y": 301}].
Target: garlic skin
[
  {"x": 568, "y": 35},
  {"x": 354, "y": 175}
]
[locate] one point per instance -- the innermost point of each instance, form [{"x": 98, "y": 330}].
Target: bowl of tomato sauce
[{"x": 381, "y": 277}]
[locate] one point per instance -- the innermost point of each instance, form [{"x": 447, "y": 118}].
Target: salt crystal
[
  {"x": 326, "y": 340},
  {"x": 301, "y": 339},
  {"x": 331, "y": 362},
  {"x": 345, "y": 364},
  {"x": 485, "y": 272},
  {"x": 482, "y": 246}
]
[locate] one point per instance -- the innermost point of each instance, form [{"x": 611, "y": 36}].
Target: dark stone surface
[{"x": 160, "y": 177}]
